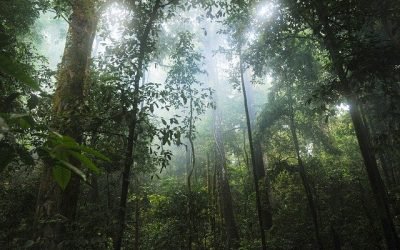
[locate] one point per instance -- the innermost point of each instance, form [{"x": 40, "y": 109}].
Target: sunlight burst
[{"x": 265, "y": 10}]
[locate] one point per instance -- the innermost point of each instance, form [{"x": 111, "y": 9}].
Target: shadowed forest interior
[{"x": 200, "y": 124}]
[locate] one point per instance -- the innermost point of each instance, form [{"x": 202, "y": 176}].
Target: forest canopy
[{"x": 201, "y": 124}]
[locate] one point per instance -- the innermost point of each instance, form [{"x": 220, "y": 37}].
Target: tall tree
[
  {"x": 185, "y": 89},
  {"x": 225, "y": 191},
  {"x": 302, "y": 171},
  {"x": 253, "y": 157},
  {"x": 260, "y": 167},
  {"x": 144, "y": 45},
  {"x": 225, "y": 199},
  {"x": 363, "y": 137},
  {"x": 67, "y": 107}
]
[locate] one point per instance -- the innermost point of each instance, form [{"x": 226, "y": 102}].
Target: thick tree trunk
[
  {"x": 132, "y": 135},
  {"x": 371, "y": 166},
  {"x": 377, "y": 185},
  {"x": 253, "y": 159},
  {"x": 370, "y": 126},
  {"x": 222, "y": 202},
  {"x": 67, "y": 103}
]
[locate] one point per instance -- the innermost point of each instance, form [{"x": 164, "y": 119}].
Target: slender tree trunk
[
  {"x": 253, "y": 159},
  {"x": 67, "y": 102},
  {"x": 132, "y": 135},
  {"x": 137, "y": 217},
  {"x": 214, "y": 203},
  {"x": 211, "y": 203},
  {"x": 259, "y": 161},
  {"x": 371, "y": 166},
  {"x": 94, "y": 191},
  {"x": 190, "y": 173},
  {"x": 303, "y": 175}
]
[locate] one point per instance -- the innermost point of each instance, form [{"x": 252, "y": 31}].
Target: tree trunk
[
  {"x": 222, "y": 208},
  {"x": 370, "y": 127},
  {"x": 259, "y": 161},
  {"x": 371, "y": 166},
  {"x": 253, "y": 159},
  {"x": 303, "y": 174},
  {"x": 191, "y": 167},
  {"x": 225, "y": 191},
  {"x": 132, "y": 135},
  {"x": 67, "y": 102},
  {"x": 137, "y": 216}
]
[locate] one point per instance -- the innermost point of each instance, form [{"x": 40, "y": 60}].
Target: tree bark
[{"x": 67, "y": 105}]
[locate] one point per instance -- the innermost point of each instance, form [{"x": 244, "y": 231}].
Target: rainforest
[{"x": 199, "y": 124}]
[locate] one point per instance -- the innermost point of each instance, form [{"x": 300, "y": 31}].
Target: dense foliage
[{"x": 204, "y": 124}]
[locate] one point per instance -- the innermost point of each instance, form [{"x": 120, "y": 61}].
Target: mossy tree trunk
[{"x": 67, "y": 108}]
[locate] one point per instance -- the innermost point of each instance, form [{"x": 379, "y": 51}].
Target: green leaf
[
  {"x": 62, "y": 176},
  {"x": 73, "y": 169},
  {"x": 70, "y": 143},
  {"x": 25, "y": 121},
  {"x": 94, "y": 152},
  {"x": 16, "y": 70},
  {"x": 85, "y": 161}
]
